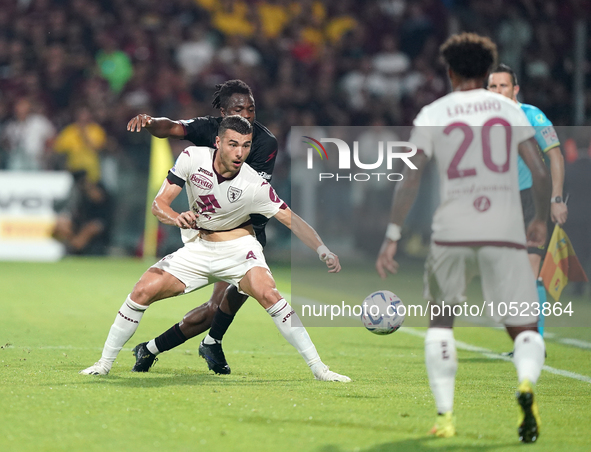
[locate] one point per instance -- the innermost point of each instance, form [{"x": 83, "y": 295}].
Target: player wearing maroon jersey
[
  {"x": 219, "y": 241},
  {"x": 232, "y": 98}
]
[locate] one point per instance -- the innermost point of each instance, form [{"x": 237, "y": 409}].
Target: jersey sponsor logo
[
  {"x": 209, "y": 204},
  {"x": 292, "y": 312},
  {"x": 204, "y": 171},
  {"x": 127, "y": 318},
  {"x": 201, "y": 181},
  {"x": 264, "y": 175},
  {"x": 234, "y": 194},
  {"x": 482, "y": 203},
  {"x": 250, "y": 255},
  {"x": 549, "y": 135}
]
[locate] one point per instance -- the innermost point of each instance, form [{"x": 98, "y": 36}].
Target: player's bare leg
[
  {"x": 528, "y": 358},
  {"x": 154, "y": 285},
  {"x": 259, "y": 284},
  {"x": 441, "y": 360},
  {"x": 224, "y": 297}
]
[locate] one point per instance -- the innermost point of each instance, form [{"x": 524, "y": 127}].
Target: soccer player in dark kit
[{"x": 233, "y": 97}]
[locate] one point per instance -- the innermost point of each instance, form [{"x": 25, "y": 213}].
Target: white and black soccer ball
[{"x": 381, "y": 312}]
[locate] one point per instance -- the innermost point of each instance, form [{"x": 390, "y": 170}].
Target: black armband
[{"x": 174, "y": 179}]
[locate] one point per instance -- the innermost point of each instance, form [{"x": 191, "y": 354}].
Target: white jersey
[
  {"x": 473, "y": 136},
  {"x": 222, "y": 204}
]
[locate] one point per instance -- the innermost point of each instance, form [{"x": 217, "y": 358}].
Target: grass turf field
[{"x": 55, "y": 317}]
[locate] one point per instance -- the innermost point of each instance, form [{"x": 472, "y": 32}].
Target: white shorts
[
  {"x": 505, "y": 273},
  {"x": 201, "y": 262}
]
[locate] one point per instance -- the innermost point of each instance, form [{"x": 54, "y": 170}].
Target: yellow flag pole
[{"x": 160, "y": 162}]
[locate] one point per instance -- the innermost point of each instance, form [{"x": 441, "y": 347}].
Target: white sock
[
  {"x": 126, "y": 322},
  {"x": 283, "y": 315},
  {"x": 529, "y": 355},
  {"x": 442, "y": 363},
  {"x": 151, "y": 346},
  {"x": 208, "y": 340}
]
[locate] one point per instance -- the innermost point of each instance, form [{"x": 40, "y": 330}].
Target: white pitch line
[{"x": 492, "y": 355}]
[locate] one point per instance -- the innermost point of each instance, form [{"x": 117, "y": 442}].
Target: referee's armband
[{"x": 174, "y": 179}]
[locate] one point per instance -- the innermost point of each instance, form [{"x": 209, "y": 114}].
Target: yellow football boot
[
  {"x": 529, "y": 419},
  {"x": 445, "y": 425}
]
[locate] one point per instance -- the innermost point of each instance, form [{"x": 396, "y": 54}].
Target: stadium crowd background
[{"x": 67, "y": 63}]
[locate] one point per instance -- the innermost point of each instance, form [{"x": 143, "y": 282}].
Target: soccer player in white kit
[
  {"x": 474, "y": 136},
  {"x": 223, "y": 192}
]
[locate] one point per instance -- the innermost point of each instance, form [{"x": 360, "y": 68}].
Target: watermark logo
[{"x": 388, "y": 151}]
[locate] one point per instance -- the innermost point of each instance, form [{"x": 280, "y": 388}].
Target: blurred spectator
[
  {"x": 238, "y": 52},
  {"x": 232, "y": 18},
  {"x": 514, "y": 34},
  {"x": 196, "y": 53},
  {"x": 81, "y": 142},
  {"x": 27, "y": 138},
  {"x": 85, "y": 225},
  {"x": 274, "y": 16},
  {"x": 390, "y": 61},
  {"x": 341, "y": 22},
  {"x": 363, "y": 84},
  {"x": 114, "y": 65}
]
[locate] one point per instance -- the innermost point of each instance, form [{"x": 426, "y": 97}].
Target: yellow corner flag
[
  {"x": 160, "y": 162},
  {"x": 560, "y": 264}
]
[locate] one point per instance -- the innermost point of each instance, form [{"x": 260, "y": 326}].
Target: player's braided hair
[
  {"x": 508, "y": 70},
  {"x": 236, "y": 123},
  {"x": 224, "y": 91},
  {"x": 469, "y": 55}
]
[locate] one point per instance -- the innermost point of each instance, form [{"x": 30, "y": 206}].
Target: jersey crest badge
[{"x": 234, "y": 194}]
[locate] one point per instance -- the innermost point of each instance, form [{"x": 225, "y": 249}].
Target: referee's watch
[{"x": 557, "y": 199}]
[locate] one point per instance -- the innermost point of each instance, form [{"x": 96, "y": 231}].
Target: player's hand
[
  {"x": 332, "y": 262},
  {"x": 385, "y": 261},
  {"x": 142, "y": 120},
  {"x": 186, "y": 220},
  {"x": 536, "y": 233},
  {"x": 558, "y": 212}
]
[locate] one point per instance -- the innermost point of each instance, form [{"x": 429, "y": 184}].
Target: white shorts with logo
[
  {"x": 201, "y": 262},
  {"x": 505, "y": 274}
]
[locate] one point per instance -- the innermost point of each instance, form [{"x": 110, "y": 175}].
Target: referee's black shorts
[{"x": 529, "y": 211}]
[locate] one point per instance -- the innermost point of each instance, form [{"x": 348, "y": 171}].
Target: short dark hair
[
  {"x": 504, "y": 68},
  {"x": 224, "y": 91},
  {"x": 236, "y": 123},
  {"x": 469, "y": 55}
]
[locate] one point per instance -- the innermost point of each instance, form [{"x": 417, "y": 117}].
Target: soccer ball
[{"x": 381, "y": 312}]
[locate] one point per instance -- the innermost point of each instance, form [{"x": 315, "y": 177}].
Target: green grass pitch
[{"x": 54, "y": 319}]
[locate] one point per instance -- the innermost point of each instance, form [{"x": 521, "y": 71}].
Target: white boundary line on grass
[{"x": 492, "y": 355}]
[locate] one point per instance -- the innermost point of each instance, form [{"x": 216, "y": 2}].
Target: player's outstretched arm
[
  {"x": 536, "y": 230},
  {"x": 558, "y": 210},
  {"x": 404, "y": 197},
  {"x": 161, "y": 208},
  {"x": 309, "y": 237},
  {"x": 159, "y": 127}
]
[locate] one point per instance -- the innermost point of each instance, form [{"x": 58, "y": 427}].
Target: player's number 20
[{"x": 453, "y": 172}]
